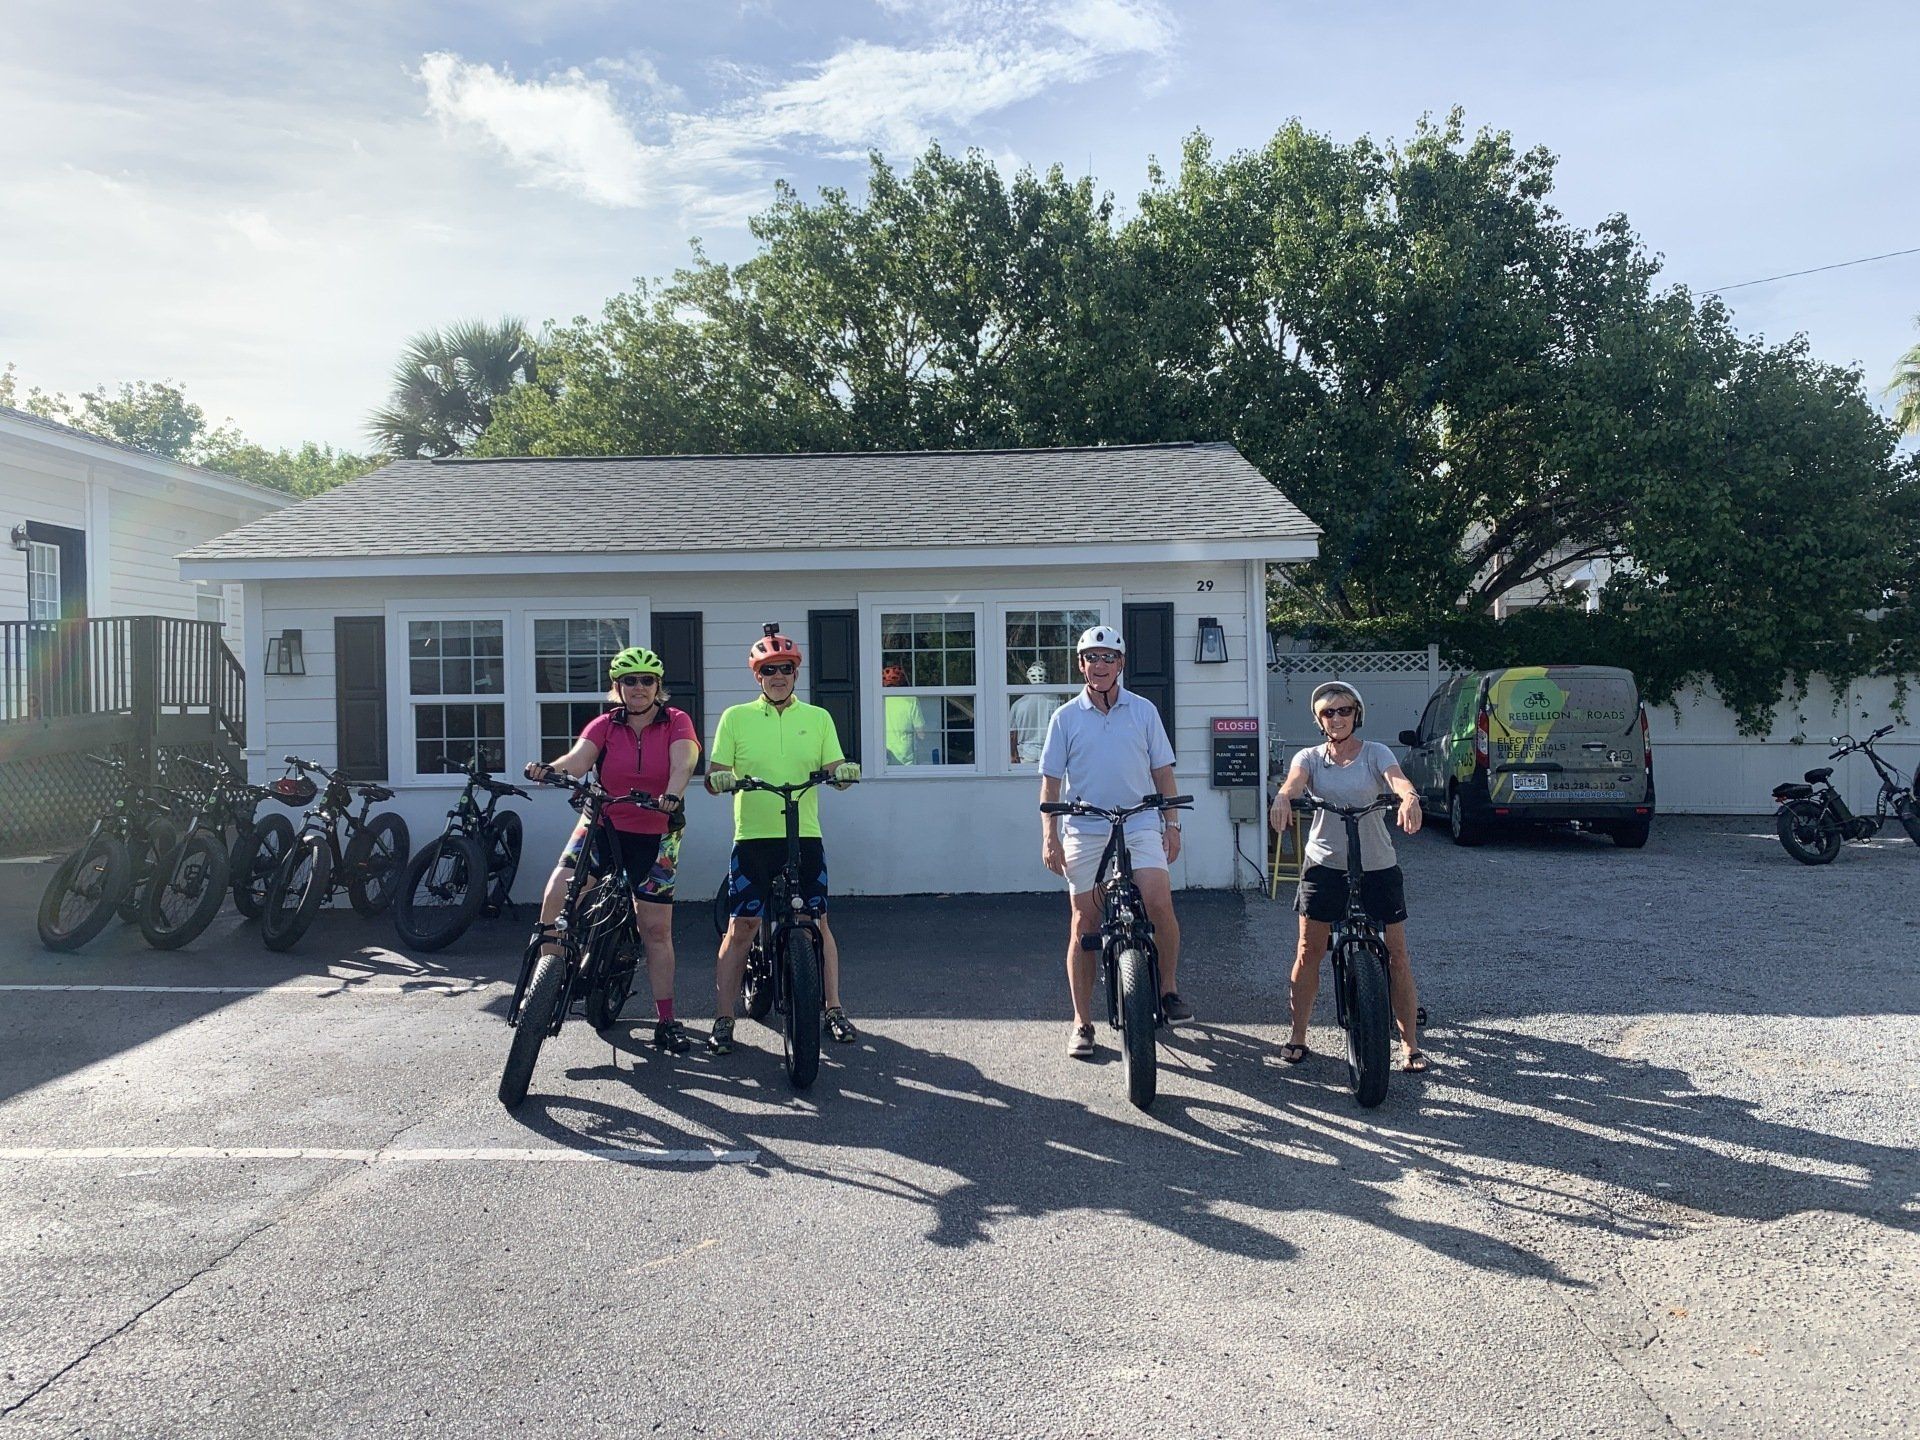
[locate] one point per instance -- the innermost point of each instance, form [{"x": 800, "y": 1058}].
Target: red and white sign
[{"x": 1236, "y": 725}]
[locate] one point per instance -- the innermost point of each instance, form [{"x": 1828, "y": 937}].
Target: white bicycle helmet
[
  {"x": 1100, "y": 637},
  {"x": 1337, "y": 687},
  {"x": 1036, "y": 674}
]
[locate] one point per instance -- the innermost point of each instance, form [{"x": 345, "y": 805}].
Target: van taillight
[
  {"x": 1480, "y": 739},
  {"x": 1646, "y": 747}
]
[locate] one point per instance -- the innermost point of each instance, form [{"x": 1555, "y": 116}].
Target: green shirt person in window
[{"x": 906, "y": 721}]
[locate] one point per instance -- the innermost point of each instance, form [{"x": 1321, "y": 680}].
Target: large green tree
[{"x": 447, "y": 383}]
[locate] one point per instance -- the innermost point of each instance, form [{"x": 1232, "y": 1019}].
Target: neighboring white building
[
  {"x": 446, "y": 604},
  {"x": 93, "y": 527}
]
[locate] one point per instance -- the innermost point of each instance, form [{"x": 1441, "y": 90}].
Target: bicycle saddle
[
  {"x": 1814, "y": 777},
  {"x": 376, "y": 792}
]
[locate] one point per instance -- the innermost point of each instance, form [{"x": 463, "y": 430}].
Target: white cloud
[
  {"x": 981, "y": 57},
  {"x": 567, "y": 132}
]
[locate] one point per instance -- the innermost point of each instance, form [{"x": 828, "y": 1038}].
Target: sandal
[
  {"x": 840, "y": 1027},
  {"x": 1294, "y": 1054},
  {"x": 1416, "y": 1062}
]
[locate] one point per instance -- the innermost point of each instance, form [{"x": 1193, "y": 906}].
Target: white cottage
[
  {"x": 93, "y": 527},
  {"x": 443, "y": 606}
]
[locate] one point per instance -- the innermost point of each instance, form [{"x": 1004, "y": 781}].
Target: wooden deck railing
[{"x": 139, "y": 665}]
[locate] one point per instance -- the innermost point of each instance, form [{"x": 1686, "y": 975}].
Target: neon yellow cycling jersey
[{"x": 782, "y": 747}]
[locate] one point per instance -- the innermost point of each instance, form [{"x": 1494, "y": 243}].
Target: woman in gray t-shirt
[{"x": 1349, "y": 772}]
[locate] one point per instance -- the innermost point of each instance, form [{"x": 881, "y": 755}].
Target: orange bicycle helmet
[
  {"x": 893, "y": 675},
  {"x": 772, "y": 646}
]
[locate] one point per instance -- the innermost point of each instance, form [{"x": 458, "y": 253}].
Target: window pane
[
  {"x": 450, "y": 735},
  {"x": 561, "y": 723},
  {"x": 929, "y": 730},
  {"x": 1043, "y": 640},
  {"x": 1027, "y": 717},
  {"x": 571, "y": 656}
]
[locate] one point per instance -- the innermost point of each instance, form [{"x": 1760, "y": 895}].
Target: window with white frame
[
  {"x": 570, "y": 659},
  {"x": 210, "y": 602},
  {"x": 456, "y": 681},
  {"x": 930, "y": 687},
  {"x": 43, "y": 581},
  {"x": 1040, "y": 673}
]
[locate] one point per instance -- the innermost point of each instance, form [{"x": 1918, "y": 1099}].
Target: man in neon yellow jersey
[{"x": 781, "y": 740}]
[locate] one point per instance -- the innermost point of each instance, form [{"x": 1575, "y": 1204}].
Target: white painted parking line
[
  {"x": 550, "y": 1155},
  {"x": 339, "y": 987}
]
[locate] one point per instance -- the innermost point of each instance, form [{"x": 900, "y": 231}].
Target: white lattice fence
[{"x": 1395, "y": 684}]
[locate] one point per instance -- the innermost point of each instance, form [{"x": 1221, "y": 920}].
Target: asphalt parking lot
[{"x": 1664, "y": 1179}]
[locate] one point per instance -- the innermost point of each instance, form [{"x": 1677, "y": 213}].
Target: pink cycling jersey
[{"x": 637, "y": 762}]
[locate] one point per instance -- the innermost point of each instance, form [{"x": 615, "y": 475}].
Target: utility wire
[{"x": 1791, "y": 274}]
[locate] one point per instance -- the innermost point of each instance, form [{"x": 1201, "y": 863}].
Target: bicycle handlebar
[
  {"x": 366, "y": 789},
  {"x": 819, "y": 777},
  {"x": 1120, "y": 814},
  {"x": 592, "y": 790},
  {"x": 1306, "y": 805}
]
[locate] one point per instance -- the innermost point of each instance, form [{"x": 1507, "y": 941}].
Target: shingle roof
[
  {"x": 855, "y": 501},
  {"x": 27, "y": 417}
]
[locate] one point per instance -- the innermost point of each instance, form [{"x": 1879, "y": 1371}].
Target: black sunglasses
[
  {"x": 1342, "y": 711},
  {"x": 785, "y": 667},
  {"x": 639, "y": 680}
]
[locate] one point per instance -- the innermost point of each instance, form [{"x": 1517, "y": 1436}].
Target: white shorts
[{"x": 1084, "y": 849}]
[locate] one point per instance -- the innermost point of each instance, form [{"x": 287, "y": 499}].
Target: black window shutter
[
  {"x": 1148, "y": 630},
  {"x": 833, "y": 662},
  {"x": 360, "y": 694},
  {"x": 680, "y": 641}
]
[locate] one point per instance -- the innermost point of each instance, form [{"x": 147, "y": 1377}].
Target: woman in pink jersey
[{"x": 641, "y": 744}]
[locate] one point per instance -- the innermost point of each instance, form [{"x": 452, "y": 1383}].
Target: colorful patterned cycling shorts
[{"x": 651, "y": 861}]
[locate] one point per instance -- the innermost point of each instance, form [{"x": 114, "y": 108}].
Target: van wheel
[
  {"x": 1465, "y": 831},
  {"x": 1631, "y": 834}
]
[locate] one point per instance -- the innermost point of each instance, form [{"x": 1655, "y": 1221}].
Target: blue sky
[{"x": 263, "y": 200}]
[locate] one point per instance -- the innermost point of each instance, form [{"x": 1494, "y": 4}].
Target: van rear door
[{"x": 1565, "y": 735}]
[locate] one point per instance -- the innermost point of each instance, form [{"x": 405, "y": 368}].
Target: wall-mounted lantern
[
  {"x": 19, "y": 536},
  {"x": 285, "y": 654},
  {"x": 1211, "y": 646}
]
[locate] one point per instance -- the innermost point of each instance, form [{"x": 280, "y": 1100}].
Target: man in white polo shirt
[{"x": 1110, "y": 748}]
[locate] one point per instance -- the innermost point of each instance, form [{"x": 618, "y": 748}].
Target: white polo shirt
[{"x": 1107, "y": 757}]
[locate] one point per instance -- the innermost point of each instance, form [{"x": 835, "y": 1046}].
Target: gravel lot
[{"x": 1663, "y": 1182}]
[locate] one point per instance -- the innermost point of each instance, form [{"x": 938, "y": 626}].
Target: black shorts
[
  {"x": 651, "y": 861},
  {"x": 1323, "y": 895},
  {"x": 756, "y": 862}
]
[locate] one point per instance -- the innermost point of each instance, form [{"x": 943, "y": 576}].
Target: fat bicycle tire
[
  {"x": 800, "y": 1034},
  {"x": 441, "y": 892},
  {"x": 296, "y": 892},
  {"x": 507, "y": 840},
  {"x": 376, "y": 858},
  {"x": 1807, "y": 832},
  {"x": 188, "y": 887},
  {"x": 1138, "y": 1061},
  {"x": 94, "y": 879},
  {"x": 161, "y": 836},
  {"x": 256, "y": 854},
  {"x": 612, "y": 968},
  {"x": 1369, "y": 1022},
  {"x": 530, "y": 1032}
]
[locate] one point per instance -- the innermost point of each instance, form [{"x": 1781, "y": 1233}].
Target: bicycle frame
[
  {"x": 788, "y": 909},
  {"x": 1123, "y": 923}
]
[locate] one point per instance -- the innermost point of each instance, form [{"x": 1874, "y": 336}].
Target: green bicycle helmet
[{"x": 635, "y": 660}]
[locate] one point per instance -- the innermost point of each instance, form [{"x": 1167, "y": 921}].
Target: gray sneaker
[
  {"x": 1175, "y": 1009},
  {"x": 1080, "y": 1042}
]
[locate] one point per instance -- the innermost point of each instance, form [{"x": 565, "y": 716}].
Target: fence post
[
  {"x": 146, "y": 694},
  {"x": 1433, "y": 667}
]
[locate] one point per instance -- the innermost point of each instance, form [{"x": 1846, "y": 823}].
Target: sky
[{"x": 262, "y": 201}]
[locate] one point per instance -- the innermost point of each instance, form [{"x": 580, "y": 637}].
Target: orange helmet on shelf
[
  {"x": 772, "y": 647},
  {"x": 893, "y": 674}
]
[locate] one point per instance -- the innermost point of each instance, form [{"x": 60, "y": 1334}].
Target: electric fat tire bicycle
[
  {"x": 1362, "y": 979},
  {"x": 368, "y": 868},
  {"x": 469, "y": 870},
  {"x": 785, "y": 968},
  {"x": 1129, "y": 960},
  {"x": 590, "y": 950},
  {"x": 109, "y": 872},
  {"x": 1813, "y": 821},
  {"x": 260, "y": 842},
  {"x": 189, "y": 882}
]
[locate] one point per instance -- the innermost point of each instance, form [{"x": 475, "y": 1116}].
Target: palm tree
[
  {"x": 1905, "y": 391},
  {"x": 446, "y": 383}
]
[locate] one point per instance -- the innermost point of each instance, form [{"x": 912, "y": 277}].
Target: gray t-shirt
[{"x": 1360, "y": 781}]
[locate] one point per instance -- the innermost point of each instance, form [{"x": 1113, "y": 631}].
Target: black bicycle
[
  {"x": 469, "y": 870},
  {"x": 1362, "y": 979},
  {"x": 260, "y": 842},
  {"x": 190, "y": 881},
  {"x": 368, "y": 867},
  {"x": 1129, "y": 960},
  {"x": 590, "y": 949},
  {"x": 110, "y": 870},
  {"x": 785, "y": 971},
  {"x": 1813, "y": 820}
]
